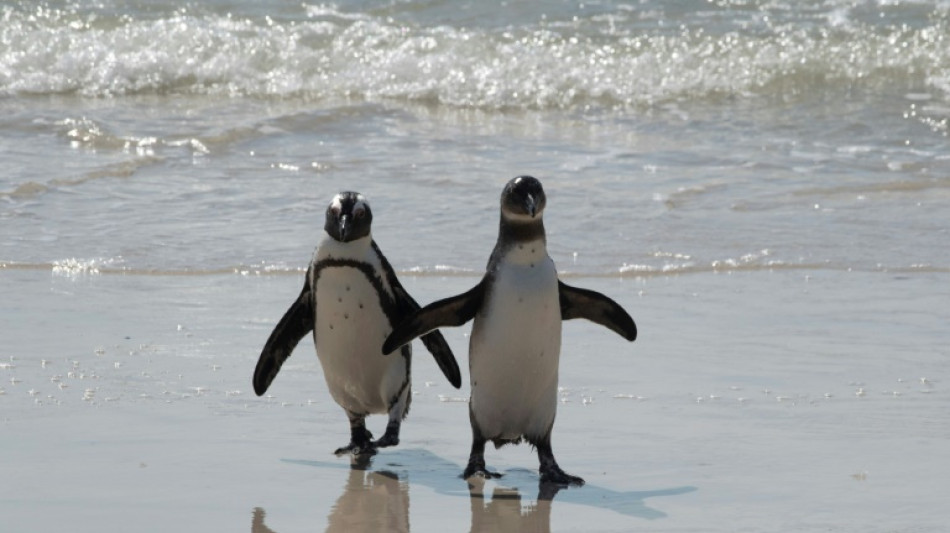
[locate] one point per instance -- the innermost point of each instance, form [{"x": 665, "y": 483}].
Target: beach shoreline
[{"x": 820, "y": 415}]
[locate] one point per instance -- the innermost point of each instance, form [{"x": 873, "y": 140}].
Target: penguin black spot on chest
[{"x": 350, "y": 298}]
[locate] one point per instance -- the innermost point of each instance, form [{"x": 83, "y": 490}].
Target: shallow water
[
  {"x": 670, "y": 137},
  {"x": 763, "y": 185}
]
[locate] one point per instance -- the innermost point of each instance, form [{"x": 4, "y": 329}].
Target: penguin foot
[
  {"x": 366, "y": 448},
  {"x": 478, "y": 469},
  {"x": 554, "y": 475},
  {"x": 391, "y": 436},
  {"x": 387, "y": 440},
  {"x": 361, "y": 440}
]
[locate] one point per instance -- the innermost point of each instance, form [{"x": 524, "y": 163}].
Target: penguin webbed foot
[
  {"x": 481, "y": 473},
  {"x": 387, "y": 440},
  {"x": 361, "y": 442},
  {"x": 552, "y": 474},
  {"x": 477, "y": 468},
  {"x": 549, "y": 469},
  {"x": 391, "y": 436},
  {"x": 357, "y": 449}
]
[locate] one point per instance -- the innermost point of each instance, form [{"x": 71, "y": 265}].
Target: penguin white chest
[
  {"x": 349, "y": 331},
  {"x": 515, "y": 350}
]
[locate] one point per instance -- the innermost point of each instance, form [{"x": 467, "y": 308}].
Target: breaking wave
[{"x": 616, "y": 57}]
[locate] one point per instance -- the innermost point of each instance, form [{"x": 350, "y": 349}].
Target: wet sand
[{"x": 789, "y": 400}]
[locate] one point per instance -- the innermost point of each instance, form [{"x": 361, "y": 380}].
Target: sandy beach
[
  {"x": 127, "y": 403},
  {"x": 764, "y": 185}
]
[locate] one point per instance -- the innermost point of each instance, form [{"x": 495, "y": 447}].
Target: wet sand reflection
[{"x": 376, "y": 498}]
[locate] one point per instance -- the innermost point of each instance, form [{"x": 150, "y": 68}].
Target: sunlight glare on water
[{"x": 762, "y": 184}]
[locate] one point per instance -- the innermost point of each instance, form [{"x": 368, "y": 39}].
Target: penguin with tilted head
[
  {"x": 516, "y": 339},
  {"x": 351, "y": 301}
]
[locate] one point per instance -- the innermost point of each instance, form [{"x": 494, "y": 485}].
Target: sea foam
[{"x": 618, "y": 59}]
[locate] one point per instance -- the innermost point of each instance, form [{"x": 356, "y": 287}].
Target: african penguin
[
  {"x": 351, "y": 300},
  {"x": 516, "y": 339}
]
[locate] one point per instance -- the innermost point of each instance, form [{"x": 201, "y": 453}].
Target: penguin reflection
[
  {"x": 505, "y": 512},
  {"x": 257, "y": 522},
  {"x": 372, "y": 501}
]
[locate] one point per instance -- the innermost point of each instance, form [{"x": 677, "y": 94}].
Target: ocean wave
[
  {"x": 76, "y": 268},
  {"x": 120, "y": 170},
  {"x": 602, "y": 60}
]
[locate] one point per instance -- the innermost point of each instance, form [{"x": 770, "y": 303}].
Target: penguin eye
[
  {"x": 359, "y": 212},
  {"x": 336, "y": 211}
]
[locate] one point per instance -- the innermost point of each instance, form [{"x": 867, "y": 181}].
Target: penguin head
[
  {"x": 348, "y": 217},
  {"x": 523, "y": 199}
]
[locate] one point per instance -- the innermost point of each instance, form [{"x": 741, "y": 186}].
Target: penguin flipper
[
  {"x": 434, "y": 342},
  {"x": 295, "y": 324},
  {"x": 596, "y": 307},
  {"x": 452, "y": 311},
  {"x": 439, "y": 348}
]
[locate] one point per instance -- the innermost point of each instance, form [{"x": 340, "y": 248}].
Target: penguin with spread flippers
[
  {"x": 516, "y": 339},
  {"x": 351, "y": 301}
]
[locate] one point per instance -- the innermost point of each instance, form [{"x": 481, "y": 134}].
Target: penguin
[
  {"x": 351, "y": 300},
  {"x": 515, "y": 345}
]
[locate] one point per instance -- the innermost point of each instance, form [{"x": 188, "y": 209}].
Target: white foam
[
  {"x": 76, "y": 267},
  {"x": 328, "y": 53}
]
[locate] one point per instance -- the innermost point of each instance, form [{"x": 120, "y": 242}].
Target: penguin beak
[
  {"x": 530, "y": 205},
  {"x": 344, "y": 226}
]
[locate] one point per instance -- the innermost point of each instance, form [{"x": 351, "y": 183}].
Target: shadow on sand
[{"x": 376, "y": 495}]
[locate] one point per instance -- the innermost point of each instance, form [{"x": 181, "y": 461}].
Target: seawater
[
  {"x": 763, "y": 184},
  {"x": 671, "y": 137}
]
